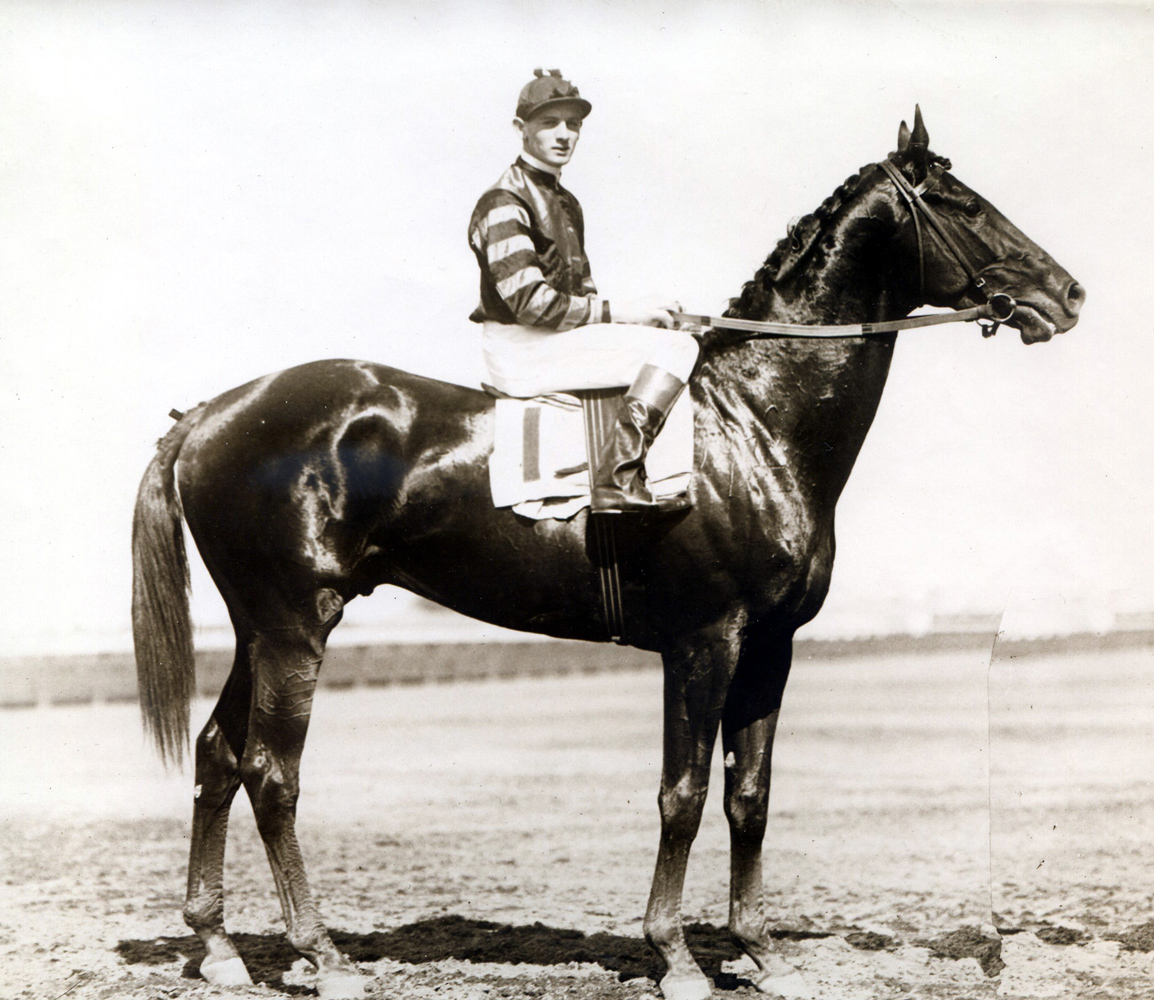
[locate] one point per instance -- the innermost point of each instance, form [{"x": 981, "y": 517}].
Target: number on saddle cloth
[{"x": 599, "y": 408}]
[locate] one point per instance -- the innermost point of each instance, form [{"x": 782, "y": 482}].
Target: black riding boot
[{"x": 620, "y": 487}]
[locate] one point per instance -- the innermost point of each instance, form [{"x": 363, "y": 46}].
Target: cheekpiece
[{"x": 548, "y": 88}]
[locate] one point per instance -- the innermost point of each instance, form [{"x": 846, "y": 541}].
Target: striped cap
[{"x": 545, "y": 89}]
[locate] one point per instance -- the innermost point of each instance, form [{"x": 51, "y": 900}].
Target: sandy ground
[{"x": 433, "y": 816}]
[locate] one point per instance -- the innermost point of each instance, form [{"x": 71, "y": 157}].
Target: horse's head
[{"x": 968, "y": 251}]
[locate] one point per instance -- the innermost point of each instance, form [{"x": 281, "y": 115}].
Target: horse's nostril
[{"x": 1075, "y": 296}]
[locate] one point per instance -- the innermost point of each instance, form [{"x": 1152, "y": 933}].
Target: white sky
[{"x": 194, "y": 194}]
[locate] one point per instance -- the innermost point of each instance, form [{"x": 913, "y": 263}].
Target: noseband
[{"x": 997, "y": 309}]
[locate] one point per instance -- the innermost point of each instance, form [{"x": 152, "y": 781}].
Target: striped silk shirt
[{"x": 528, "y": 233}]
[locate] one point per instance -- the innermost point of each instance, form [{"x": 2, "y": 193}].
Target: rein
[
  {"x": 988, "y": 312},
  {"x": 998, "y": 308}
]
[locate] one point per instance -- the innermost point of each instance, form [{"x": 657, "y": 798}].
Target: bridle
[
  {"x": 919, "y": 209},
  {"x": 997, "y": 309}
]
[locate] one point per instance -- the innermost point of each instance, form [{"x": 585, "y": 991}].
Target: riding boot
[{"x": 619, "y": 486}]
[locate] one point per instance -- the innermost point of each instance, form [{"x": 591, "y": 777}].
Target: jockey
[{"x": 545, "y": 327}]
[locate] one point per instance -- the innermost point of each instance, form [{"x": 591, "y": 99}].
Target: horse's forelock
[{"x": 902, "y": 158}]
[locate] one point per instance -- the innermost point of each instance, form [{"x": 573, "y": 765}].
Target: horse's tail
[{"x": 161, "y": 623}]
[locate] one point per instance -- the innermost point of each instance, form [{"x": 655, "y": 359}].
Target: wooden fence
[{"x": 55, "y": 680}]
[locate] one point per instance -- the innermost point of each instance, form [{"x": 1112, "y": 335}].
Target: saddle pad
[{"x": 539, "y": 466}]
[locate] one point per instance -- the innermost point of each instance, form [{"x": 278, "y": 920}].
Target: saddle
[{"x": 544, "y": 448}]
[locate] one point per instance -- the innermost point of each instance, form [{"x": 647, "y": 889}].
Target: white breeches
[{"x": 529, "y": 361}]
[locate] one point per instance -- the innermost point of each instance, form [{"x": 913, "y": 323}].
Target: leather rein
[{"x": 998, "y": 308}]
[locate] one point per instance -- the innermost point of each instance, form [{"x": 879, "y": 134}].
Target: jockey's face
[{"x": 551, "y": 135}]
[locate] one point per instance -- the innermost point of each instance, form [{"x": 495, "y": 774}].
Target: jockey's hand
[{"x": 652, "y": 312}]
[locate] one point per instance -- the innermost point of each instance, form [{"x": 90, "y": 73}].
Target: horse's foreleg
[
  {"x": 285, "y": 669},
  {"x": 217, "y": 779},
  {"x": 696, "y": 679},
  {"x": 748, "y": 726}
]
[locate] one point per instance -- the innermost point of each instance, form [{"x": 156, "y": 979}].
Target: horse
[{"x": 308, "y": 487}]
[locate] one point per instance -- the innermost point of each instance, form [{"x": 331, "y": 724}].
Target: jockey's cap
[{"x": 548, "y": 88}]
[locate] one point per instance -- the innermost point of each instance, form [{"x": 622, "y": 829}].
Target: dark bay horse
[{"x": 308, "y": 487}]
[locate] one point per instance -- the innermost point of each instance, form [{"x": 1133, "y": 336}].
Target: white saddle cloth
[{"x": 539, "y": 466}]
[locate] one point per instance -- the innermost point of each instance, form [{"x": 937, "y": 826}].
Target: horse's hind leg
[
  {"x": 218, "y": 750},
  {"x": 747, "y": 730},
  {"x": 285, "y": 665}
]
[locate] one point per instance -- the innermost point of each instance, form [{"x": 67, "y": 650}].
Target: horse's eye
[{"x": 973, "y": 208}]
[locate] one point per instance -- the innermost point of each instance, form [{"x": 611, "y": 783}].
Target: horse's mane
[{"x": 793, "y": 249}]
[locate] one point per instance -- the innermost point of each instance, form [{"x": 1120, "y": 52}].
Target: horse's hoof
[
  {"x": 685, "y": 987},
  {"x": 341, "y": 986},
  {"x": 790, "y": 986},
  {"x": 226, "y": 972}
]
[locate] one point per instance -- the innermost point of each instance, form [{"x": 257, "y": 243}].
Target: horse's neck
[{"x": 808, "y": 404}]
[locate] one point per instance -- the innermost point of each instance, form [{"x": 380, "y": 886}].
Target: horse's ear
[
  {"x": 920, "y": 136},
  {"x": 917, "y": 148},
  {"x": 903, "y": 137}
]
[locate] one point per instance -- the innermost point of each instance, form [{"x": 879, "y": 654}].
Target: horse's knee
[
  {"x": 681, "y": 806},
  {"x": 746, "y": 809}
]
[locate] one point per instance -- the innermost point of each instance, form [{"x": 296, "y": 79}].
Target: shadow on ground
[{"x": 268, "y": 956}]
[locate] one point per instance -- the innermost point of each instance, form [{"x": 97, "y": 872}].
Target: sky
[{"x": 196, "y": 194}]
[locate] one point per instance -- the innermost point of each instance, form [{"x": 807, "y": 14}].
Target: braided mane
[
  {"x": 790, "y": 252},
  {"x": 753, "y": 302}
]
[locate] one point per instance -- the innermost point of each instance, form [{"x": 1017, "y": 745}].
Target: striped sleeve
[
  {"x": 502, "y": 241},
  {"x": 587, "y": 285}
]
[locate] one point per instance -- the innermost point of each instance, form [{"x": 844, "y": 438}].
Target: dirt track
[{"x": 465, "y": 808}]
